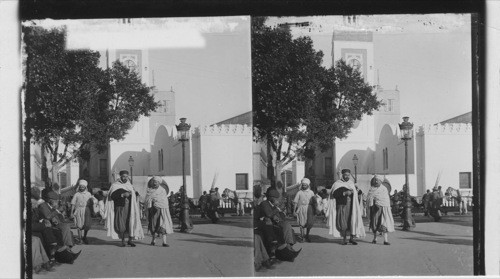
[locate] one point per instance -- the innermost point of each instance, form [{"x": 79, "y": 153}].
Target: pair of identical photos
[{"x": 224, "y": 74}]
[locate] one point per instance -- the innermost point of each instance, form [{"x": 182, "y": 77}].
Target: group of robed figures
[{"x": 274, "y": 236}]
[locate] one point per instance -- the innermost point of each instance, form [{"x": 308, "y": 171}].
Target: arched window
[
  {"x": 159, "y": 160},
  {"x": 162, "y": 166}
]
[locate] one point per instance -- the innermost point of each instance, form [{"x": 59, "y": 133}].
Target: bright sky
[
  {"x": 206, "y": 61},
  {"x": 428, "y": 57}
]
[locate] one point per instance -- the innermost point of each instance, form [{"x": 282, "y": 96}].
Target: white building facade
[
  {"x": 438, "y": 153},
  {"x": 217, "y": 154}
]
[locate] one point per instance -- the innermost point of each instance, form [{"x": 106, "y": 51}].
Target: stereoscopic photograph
[
  {"x": 138, "y": 138},
  {"x": 366, "y": 157},
  {"x": 249, "y": 146}
]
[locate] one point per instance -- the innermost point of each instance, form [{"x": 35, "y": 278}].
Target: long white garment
[
  {"x": 380, "y": 197},
  {"x": 159, "y": 198},
  {"x": 135, "y": 225},
  {"x": 357, "y": 226}
]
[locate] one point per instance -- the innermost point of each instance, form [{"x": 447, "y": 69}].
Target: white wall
[
  {"x": 389, "y": 139},
  {"x": 448, "y": 148},
  {"x": 368, "y": 46},
  {"x": 72, "y": 173},
  {"x": 227, "y": 150},
  {"x": 298, "y": 171}
]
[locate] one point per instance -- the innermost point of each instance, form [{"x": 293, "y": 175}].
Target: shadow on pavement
[
  {"x": 458, "y": 220},
  {"x": 98, "y": 241},
  {"x": 234, "y": 221},
  {"x": 320, "y": 239},
  {"x": 435, "y": 234},
  {"x": 225, "y": 242},
  {"x": 467, "y": 242},
  {"x": 206, "y": 235}
]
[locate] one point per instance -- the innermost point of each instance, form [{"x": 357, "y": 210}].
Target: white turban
[
  {"x": 305, "y": 181},
  {"x": 83, "y": 182},
  {"x": 155, "y": 178}
]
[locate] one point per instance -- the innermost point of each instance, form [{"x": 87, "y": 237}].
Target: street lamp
[
  {"x": 355, "y": 162},
  {"x": 183, "y": 130},
  {"x": 131, "y": 164},
  {"x": 406, "y": 134}
]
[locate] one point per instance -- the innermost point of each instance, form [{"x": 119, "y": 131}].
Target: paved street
[
  {"x": 223, "y": 249},
  {"x": 442, "y": 248}
]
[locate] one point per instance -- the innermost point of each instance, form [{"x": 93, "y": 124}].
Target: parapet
[
  {"x": 226, "y": 130},
  {"x": 445, "y": 129}
]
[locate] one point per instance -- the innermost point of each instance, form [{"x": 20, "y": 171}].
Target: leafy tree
[
  {"x": 71, "y": 104},
  {"x": 343, "y": 99},
  {"x": 299, "y": 106}
]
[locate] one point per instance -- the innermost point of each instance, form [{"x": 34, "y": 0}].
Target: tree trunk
[
  {"x": 270, "y": 162},
  {"x": 54, "y": 171},
  {"x": 278, "y": 169},
  {"x": 45, "y": 170}
]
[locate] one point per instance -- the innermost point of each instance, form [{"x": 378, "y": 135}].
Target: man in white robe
[
  {"x": 132, "y": 224},
  {"x": 343, "y": 196}
]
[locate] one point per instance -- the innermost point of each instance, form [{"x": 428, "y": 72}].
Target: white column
[{"x": 190, "y": 177}]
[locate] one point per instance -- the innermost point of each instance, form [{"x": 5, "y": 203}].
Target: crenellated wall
[
  {"x": 225, "y": 130},
  {"x": 445, "y": 129}
]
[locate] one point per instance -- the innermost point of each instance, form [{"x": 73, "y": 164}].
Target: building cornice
[
  {"x": 225, "y": 130},
  {"x": 445, "y": 129}
]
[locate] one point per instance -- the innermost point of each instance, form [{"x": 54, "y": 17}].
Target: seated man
[
  {"x": 48, "y": 214},
  {"x": 277, "y": 232},
  {"x": 48, "y": 211},
  {"x": 43, "y": 230}
]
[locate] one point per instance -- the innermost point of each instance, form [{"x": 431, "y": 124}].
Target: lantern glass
[
  {"x": 184, "y": 134},
  {"x": 355, "y": 160},
  {"x": 131, "y": 161},
  {"x": 183, "y": 129},
  {"x": 406, "y": 129}
]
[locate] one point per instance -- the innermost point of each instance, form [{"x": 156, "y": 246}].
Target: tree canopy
[
  {"x": 71, "y": 104},
  {"x": 300, "y": 106}
]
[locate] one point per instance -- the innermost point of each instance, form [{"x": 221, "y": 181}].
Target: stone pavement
[
  {"x": 223, "y": 249},
  {"x": 432, "y": 248}
]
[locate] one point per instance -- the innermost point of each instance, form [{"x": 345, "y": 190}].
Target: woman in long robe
[
  {"x": 381, "y": 220},
  {"x": 160, "y": 222}
]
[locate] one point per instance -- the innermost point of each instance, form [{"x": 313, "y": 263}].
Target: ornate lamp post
[
  {"x": 355, "y": 162},
  {"x": 131, "y": 164},
  {"x": 406, "y": 134},
  {"x": 183, "y": 130}
]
